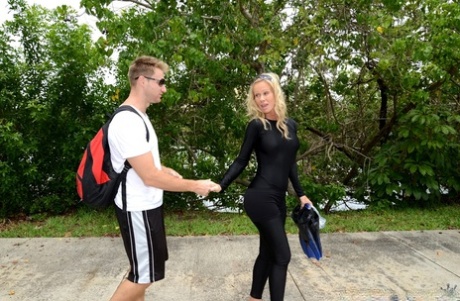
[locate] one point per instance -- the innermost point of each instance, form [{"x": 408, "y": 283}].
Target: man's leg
[
  {"x": 130, "y": 291},
  {"x": 144, "y": 239}
]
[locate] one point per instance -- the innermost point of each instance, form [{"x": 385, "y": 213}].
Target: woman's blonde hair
[{"x": 280, "y": 103}]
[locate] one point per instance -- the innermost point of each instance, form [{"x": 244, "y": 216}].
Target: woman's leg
[
  {"x": 261, "y": 269},
  {"x": 273, "y": 259}
]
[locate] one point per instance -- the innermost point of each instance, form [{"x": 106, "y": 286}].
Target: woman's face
[{"x": 265, "y": 99}]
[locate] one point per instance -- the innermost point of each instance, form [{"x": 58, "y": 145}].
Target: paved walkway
[{"x": 393, "y": 266}]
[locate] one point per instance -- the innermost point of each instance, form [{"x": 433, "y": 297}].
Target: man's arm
[
  {"x": 152, "y": 176},
  {"x": 171, "y": 172}
]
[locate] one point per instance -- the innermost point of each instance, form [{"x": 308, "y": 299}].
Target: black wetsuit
[{"x": 264, "y": 200}]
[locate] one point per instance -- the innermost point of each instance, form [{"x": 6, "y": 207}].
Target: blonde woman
[{"x": 272, "y": 136}]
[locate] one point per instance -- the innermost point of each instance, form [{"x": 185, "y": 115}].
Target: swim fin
[{"x": 307, "y": 220}]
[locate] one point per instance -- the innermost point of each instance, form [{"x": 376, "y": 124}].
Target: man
[{"x": 142, "y": 225}]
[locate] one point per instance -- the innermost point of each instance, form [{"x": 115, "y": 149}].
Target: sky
[{"x": 83, "y": 18}]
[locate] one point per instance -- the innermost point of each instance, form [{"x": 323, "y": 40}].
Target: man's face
[{"x": 154, "y": 86}]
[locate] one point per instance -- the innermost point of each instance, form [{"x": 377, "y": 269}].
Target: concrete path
[{"x": 393, "y": 266}]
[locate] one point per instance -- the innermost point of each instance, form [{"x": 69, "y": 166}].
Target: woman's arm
[{"x": 240, "y": 163}]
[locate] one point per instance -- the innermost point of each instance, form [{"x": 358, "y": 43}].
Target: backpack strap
[
  {"x": 123, "y": 176},
  {"x": 124, "y": 172},
  {"x": 131, "y": 109}
]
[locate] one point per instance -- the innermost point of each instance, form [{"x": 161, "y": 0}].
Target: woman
[{"x": 272, "y": 135}]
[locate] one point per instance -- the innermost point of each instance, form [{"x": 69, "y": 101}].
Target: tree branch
[
  {"x": 149, "y": 5},
  {"x": 246, "y": 14}
]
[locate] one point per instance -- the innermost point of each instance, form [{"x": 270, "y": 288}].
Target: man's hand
[{"x": 216, "y": 188}]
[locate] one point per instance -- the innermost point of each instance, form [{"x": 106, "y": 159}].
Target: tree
[
  {"x": 373, "y": 86},
  {"x": 210, "y": 48},
  {"x": 378, "y": 67},
  {"x": 355, "y": 74},
  {"x": 53, "y": 98}
]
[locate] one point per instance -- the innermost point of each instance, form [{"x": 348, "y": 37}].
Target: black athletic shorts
[{"x": 144, "y": 237}]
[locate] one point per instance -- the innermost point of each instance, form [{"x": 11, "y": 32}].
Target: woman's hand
[{"x": 305, "y": 200}]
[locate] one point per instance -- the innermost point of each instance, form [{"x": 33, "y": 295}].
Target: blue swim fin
[
  {"x": 312, "y": 248},
  {"x": 307, "y": 221}
]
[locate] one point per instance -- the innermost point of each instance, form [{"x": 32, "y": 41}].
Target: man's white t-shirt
[{"x": 127, "y": 139}]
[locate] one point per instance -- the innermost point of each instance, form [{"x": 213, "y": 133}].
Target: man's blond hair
[{"x": 145, "y": 65}]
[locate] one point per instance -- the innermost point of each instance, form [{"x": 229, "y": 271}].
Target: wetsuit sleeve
[
  {"x": 293, "y": 175},
  {"x": 240, "y": 163}
]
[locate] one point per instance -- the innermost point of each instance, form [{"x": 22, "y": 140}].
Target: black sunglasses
[{"x": 161, "y": 82}]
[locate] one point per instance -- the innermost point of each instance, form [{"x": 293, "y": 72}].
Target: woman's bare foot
[{"x": 252, "y": 299}]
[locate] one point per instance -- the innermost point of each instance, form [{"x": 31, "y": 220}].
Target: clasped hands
[
  {"x": 204, "y": 187},
  {"x": 201, "y": 187}
]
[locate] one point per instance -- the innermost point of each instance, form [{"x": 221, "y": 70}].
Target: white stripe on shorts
[{"x": 141, "y": 246}]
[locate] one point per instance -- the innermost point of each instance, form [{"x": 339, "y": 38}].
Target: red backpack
[{"x": 97, "y": 181}]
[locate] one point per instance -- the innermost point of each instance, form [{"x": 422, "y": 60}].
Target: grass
[{"x": 88, "y": 223}]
